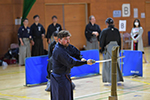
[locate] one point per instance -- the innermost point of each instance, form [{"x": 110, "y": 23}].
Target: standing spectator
[
  {"x": 110, "y": 37},
  {"x": 136, "y": 35},
  {"x": 92, "y": 32},
  {"x": 38, "y": 32},
  {"x": 54, "y": 27},
  {"x": 24, "y": 42}
]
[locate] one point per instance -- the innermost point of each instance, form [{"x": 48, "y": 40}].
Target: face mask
[{"x": 136, "y": 24}]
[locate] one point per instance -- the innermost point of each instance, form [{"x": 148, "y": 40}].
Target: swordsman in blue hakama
[{"x": 62, "y": 62}]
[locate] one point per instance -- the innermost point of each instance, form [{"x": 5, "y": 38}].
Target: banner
[{"x": 27, "y": 5}]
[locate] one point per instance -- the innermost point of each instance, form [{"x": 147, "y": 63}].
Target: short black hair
[
  {"x": 135, "y": 21},
  {"x": 36, "y": 16},
  {"x": 55, "y": 33},
  {"x": 63, "y": 33},
  {"x": 24, "y": 19},
  {"x": 54, "y": 17},
  {"x": 109, "y": 20}
]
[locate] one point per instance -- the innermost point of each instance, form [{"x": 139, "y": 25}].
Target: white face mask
[{"x": 136, "y": 24}]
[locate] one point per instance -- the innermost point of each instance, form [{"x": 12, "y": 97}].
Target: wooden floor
[{"x": 12, "y": 81}]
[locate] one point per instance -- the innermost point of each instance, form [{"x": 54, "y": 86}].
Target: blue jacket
[{"x": 63, "y": 60}]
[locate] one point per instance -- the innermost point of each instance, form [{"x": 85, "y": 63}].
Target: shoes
[
  {"x": 73, "y": 85},
  {"x": 48, "y": 86},
  {"x": 118, "y": 84},
  {"x": 21, "y": 65},
  {"x": 108, "y": 84}
]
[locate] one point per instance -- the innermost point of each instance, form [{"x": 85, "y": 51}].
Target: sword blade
[{"x": 107, "y": 60}]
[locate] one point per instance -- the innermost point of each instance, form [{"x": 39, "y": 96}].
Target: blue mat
[
  {"x": 36, "y": 67},
  {"x": 36, "y": 70},
  {"x": 132, "y": 63}
]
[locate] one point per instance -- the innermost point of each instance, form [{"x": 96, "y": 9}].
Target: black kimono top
[
  {"x": 62, "y": 61},
  {"x": 109, "y": 34},
  {"x": 24, "y": 32},
  {"x": 73, "y": 51},
  {"x": 37, "y": 30},
  {"x": 51, "y": 29},
  {"x": 89, "y": 30}
]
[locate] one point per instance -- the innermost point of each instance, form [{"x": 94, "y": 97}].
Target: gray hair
[{"x": 90, "y": 17}]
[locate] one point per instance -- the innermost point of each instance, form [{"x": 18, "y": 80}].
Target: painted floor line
[
  {"x": 137, "y": 91},
  {"x": 139, "y": 81},
  {"x": 124, "y": 93},
  {"x": 93, "y": 94},
  {"x": 84, "y": 96},
  {"x": 20, "y": 72},
  {"x": 11, "y": 88},
  {"x": 104, "y": 92},
  {"x": 24, "y": 97}
]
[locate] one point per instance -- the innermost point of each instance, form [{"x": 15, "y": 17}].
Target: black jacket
[
  {"x": 51, "y": 29},
  {"x": 109, "y": 34},
  {"x": 62, "y": 59},
  {"x": 37, "y": 30},
  {"x": 89, "y": 29}
]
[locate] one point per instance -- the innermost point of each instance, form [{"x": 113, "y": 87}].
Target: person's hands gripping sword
[{"x": 90, "y": 62}]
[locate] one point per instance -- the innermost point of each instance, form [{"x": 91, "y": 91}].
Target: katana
[
  {"x": 107, "y": 60},
  {"x": 101, "y": 61}
]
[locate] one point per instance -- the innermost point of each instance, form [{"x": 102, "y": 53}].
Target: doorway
[{"x": 72, "y": 17}]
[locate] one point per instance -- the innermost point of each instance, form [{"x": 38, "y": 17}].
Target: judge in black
[
  {"x": 92, "y": 32},
  {"x": 62, "y": 62},
  {"x": 54, "y": 27},
  {"x": 38, "y": 32},
  {"x": 109, "y": 37}
]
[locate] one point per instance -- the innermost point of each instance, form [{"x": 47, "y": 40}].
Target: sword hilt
[{"x": 93, "y": 61}]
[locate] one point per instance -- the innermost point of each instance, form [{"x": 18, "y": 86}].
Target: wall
[
  {"x": 101, "y": 9},
  {"x": 9, "y": 9}
]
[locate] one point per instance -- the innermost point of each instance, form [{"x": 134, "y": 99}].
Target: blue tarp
[
  {"x": 36, "y": 70},
  {"x": 132, "y": 63},
  {"x": 36, "y": 67}
]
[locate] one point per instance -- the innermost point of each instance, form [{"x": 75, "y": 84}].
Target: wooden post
[{"x": 114, "y": 73}]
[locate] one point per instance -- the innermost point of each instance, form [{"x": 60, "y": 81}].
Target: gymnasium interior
[{"x": 28, "y": 82}]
